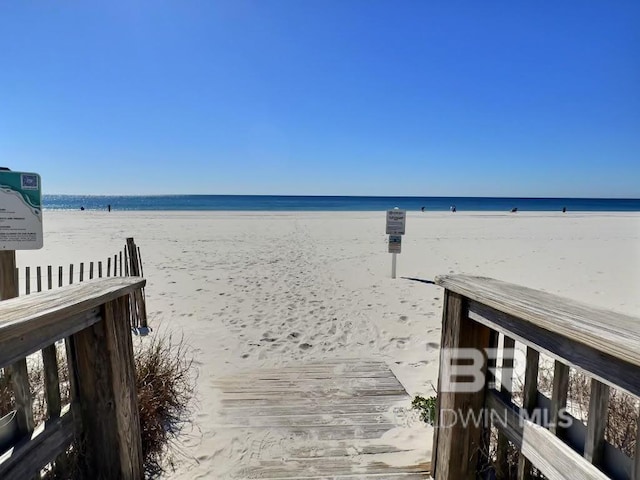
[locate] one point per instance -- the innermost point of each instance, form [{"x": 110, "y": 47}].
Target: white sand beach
[{"x": 269, "y": 289}]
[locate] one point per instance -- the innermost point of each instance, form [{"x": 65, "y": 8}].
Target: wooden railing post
[
  {"x": 105, "y": 375},
  {"x": 138, "y": 308},
  {"x": 457, "y": 445},
  {"x": 18, "y": 371}
]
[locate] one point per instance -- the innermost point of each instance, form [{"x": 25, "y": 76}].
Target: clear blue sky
[{"x": 513, "y": 98}]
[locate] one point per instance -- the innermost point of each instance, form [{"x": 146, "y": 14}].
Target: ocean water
[{"x": 333, "y": 203}]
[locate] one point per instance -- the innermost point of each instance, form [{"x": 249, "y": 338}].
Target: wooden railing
[
  {"x": 101, "y": 420},
  {"x": 125, "y": 263},
  {"x": 603, "y": 345}
]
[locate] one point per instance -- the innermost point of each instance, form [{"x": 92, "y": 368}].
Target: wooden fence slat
[
  {"x": 140, "y": 263},
  {"x": 71, "y": 274},
  {"x": 81, "y": 278},
  {"x": 27, "y": 280},
  {"x": 38, "y": 278},
  {"x": 90, "y": 270},
  {"x": 51, "y": 380},
  {"x": 108, "y": 266},
  {"x": 22, "y": 395},
  {"x": 596, "y": 422},
  {"x": 635, "y": 469},
  {"x": 530, "y": 395},
  {"x": 100, "y": 269},
  {"x": 558, "y": 396},
  {"x": 60, "y": 272},
  {"x": 49, "y": 277},
  {"x": 456, "y": 449},
  {"x": 120, "y": 254},
  {"x": 506, "y": 383}
]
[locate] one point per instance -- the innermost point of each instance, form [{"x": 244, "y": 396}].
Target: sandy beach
[{"x": 251, "y": 290}]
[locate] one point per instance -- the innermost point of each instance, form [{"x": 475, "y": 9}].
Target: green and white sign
[{"x": 20, "y": 211}]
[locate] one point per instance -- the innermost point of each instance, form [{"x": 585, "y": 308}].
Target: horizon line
[{"x": 332, "y": 196}]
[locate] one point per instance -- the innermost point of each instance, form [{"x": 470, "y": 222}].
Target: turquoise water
[{"x": 318, "y": 203}]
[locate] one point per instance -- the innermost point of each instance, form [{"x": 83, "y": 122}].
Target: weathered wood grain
[
  {"x": 457, "y": 449},
  {"x": 558, "y": 396},
  {"x": 31, "y": 323},
  {"x": 506, "y": 384},
  {"x": 596, "y": 422},
  {"x": 107, "y": 394},
  {"x": 598, "y": 364},
  {"x": 603, "y": 330},
  {"x": 529, "y": 397},
  {"x": 28, "y": 457},
  {"x": 51, "y": 380},
  {"x": 322, "y": 419},
  {"x": 549, "y": 454}
]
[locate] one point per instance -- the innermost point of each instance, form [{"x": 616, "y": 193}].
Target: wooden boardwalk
[{"x": 318, "y": 421}]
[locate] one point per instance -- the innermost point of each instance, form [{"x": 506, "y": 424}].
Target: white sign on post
[
  {"x": 396, "y": 220},
  {"x": 20, "y": 211},
  {"x": 395, "y": 243}
]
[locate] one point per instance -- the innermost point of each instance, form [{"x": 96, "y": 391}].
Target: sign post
[{"x": 396, "y": 222}]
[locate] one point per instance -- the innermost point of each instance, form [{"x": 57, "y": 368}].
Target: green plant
[{"x": 426, "y": 407}]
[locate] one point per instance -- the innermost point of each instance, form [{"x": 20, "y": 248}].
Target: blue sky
[{"x": 323, "y": 97}]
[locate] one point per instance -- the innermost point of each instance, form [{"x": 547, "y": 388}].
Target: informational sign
[
  {"x": 395, "y": 243},
  {"x": 396, "y": 220},
  {"x": 20, "y": 211}
]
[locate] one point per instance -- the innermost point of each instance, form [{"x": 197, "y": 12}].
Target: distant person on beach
[
  {"x": 564, "y": 209},
  {"x": 109, "y": 207},
  {"x": 453, "y": 209},
  {"x": 82, "y": 208},
  {"x": 423, "y": 209},
  {"x": 514, "y": 210}
]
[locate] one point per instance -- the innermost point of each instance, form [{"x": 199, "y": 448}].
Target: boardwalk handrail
[
  {"x": 94, "y": 318},
  {"x": 600, "y": 343}
]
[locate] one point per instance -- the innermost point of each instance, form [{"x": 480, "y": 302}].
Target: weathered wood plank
[
  {"x": 330, "y": 469},
  {"x": 596, "y": 422},
  {"x": 555, "y": 459},
  {"x": 22, "y": 395},
  {"x": 529, "y": 397},
  {"x": 309, "y": 420},
  {"x": 558, "y": 396},
  {"x": 48, "y": 440},
  {"x": 604, "y": 330},
  {"x": 239, "y": 410},
  {"x": 606, "y": 368},
  {"x": 635, "y": 468},
  {"x": 51, "y": 380},
  {"x": 107, "y": 394},
  {"x": 333, "y": 434},
  {"x": 31, "y": 323},
  {"x": 457, "y": 449},
  {"x": 256, "y": 401},
  {"x": 506, "y": 384}
]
